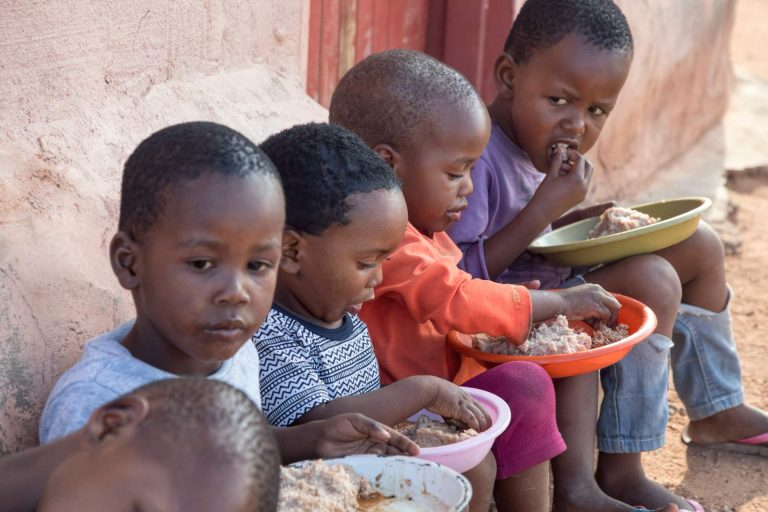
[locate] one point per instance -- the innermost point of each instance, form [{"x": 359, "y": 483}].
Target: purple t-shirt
[{"x": 505, "y": 181}]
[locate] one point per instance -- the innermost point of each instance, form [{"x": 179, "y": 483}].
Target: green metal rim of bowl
[{"x": 642, "y": 240}]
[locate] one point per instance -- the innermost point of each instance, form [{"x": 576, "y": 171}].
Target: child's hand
[
  {"x": 452, "y": 402},
  {"x": 589, "y": 301},
  {"x": 582, "y": 213},
  {"x": 566, "y": 183},
  {"x": 350, "y": 433}
]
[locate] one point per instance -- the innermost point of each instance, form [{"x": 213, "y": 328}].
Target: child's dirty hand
[
  {"x": 567, "y": 181},
  {"x": 351, "y": 433},
  {"x": 589, "y": 301},
  {"x": 452, "y": 402},
  {"x": 582, "y": 213}
]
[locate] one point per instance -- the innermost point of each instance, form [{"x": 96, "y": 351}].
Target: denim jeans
[
  {"x": 634, "y": 412},
  {"x": 705, "y": 369},
  {"x": 705, "y": 365}
]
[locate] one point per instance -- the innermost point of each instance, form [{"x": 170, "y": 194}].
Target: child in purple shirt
[
  {"x": 563, "y": 66},
  {"x": 497, "y": 199}
]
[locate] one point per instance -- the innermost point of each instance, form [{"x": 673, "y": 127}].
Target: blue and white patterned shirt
[{"x": 303, "y": 365}]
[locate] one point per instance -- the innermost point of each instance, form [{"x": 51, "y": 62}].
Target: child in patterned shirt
[{"x": 345, "y": 215}]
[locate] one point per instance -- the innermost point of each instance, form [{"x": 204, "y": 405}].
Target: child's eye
[
  {"x": 557, "y": 101},
  {"x": 596, "y": 111},
  {"x": 365, "y": 266},
  {"x": 454, "y": 176},
  {"x": 259, "y": 266},
  {"x": 201, "y": 264}
]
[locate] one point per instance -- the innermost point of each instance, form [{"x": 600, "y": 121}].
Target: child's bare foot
[
  {"x": 594, "y": 500},
  {"x": 740, "y": 422},
  {"x": 628, "y": 483}
]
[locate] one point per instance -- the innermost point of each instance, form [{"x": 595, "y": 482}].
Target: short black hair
[
  {"x": 388, "y": 97},
  {"x": 181, "y": 153},
  {"x": 321, "y": 165},
  {"x": 542, "y": 24},
  {"x": 212, "y": 423}
]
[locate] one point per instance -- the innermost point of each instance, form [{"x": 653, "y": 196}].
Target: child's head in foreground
[
  {"x": 426, "y": 120},
  {"x": 563, "y": 66},
  {"x": 345, "y": 214},
  {"x": 188, "y": 444},
  {"x": 201, "y": 222}
]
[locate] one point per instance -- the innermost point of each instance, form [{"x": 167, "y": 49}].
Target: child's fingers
[
  {"x": 483, "y": 418},
  {"x": 558, "y": 161}
]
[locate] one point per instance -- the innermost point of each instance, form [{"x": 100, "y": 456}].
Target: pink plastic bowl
[{"x": 465, "y": 455}]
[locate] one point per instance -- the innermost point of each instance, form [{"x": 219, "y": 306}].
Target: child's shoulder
[{"x": 106, "y": 363}]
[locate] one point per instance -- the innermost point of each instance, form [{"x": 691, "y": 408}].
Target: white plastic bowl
[
  {"x": 465, "y": 455},
  {"x": 418, "y": 485}
]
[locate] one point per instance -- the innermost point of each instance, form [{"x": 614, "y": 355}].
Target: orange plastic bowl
[{"x": 638, "y": 317}]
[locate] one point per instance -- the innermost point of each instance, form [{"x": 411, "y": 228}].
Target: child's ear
[
  {"x": 293, "y": 248},
  {"x": 123, "y": 252},
  {"x": 389, "y": 154},
  {"x": 116, "y": 418},
  {"x": 505, "y": 72}
]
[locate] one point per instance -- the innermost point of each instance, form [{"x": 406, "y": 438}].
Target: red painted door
[{"x": 466, "y": 34}]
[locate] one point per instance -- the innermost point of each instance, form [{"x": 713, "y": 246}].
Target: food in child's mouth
[
  {"x": 618, "y": 219},
  {"x": 563, "y": 154},
  {"x": 554, "y": 337}
]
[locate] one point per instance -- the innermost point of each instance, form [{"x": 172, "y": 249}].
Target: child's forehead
[
  {"x": 215, "y": 200},
  {"x": 574, "y": 50}
]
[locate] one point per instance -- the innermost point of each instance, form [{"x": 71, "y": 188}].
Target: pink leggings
[{"x": 532, "y": 436}]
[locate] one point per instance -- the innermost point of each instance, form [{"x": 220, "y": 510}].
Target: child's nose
[
  {"x": 466, "y": 186},
  {"x": 233, "y": 290},
  {"x": 575, "y": 123},
  {"x": 377, "y": 277}
]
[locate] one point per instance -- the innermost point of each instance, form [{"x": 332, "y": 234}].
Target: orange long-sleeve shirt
[{"x": 423, "y": 296}]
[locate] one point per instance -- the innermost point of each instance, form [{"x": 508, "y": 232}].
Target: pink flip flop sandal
[
  {"x": 755, "y": 445},
  {"x": 696, "y": 505}
]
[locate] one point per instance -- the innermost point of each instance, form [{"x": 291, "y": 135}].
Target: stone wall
[
  {"x": 81, "y": 83},
  {"x": 676, "y": 95}
]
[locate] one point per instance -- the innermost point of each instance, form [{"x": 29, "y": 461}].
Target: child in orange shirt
[{"x": 390, "y": 100}]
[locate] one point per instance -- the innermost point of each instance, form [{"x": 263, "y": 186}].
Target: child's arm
[
  {"x": 433, "y": 289},
  {"x": 341, "y": 435},
  {"x": 578, "y": 303},
  {"x": 563, "y": 188},
  {"x": 581, "y": 214},
  {"x": 23, "y": 475},
  {"x": 424, "y": 278},
  {"x": 403, "y": 398}
]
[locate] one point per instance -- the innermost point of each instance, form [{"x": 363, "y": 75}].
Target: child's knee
[
  {"x": 655, "y": 282},
  {"x": 527, "y": 388},
  {"x": 707, "y": 245}
]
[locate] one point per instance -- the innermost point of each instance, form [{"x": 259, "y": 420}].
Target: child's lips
[
  {"x": 455, "y": 213},
  {"x": 227, "y": 329},
  {"x": 354, "y": 309}
]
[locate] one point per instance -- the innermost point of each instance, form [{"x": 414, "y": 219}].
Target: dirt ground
[{"x": 720, "y": 481}]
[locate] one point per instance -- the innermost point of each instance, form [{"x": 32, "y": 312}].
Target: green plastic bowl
[{"x": 568, "y": 246}]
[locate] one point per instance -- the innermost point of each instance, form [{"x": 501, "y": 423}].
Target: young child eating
[
  {"x": 345, "y": 214},
  {"x": 187, "y": 444},
  {"x": 199, "y": 241},
  {"x": 558, "y": 79},
  {"x": 430, "y": 125}
]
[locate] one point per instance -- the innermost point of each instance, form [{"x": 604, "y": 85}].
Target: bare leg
[
  {"x": 575, "y": 486},
  {"x": 482, "y": 477},
  {"x": 527, "y": 490},
  {"x": 652, "y": 281}
]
